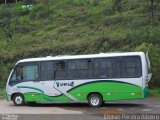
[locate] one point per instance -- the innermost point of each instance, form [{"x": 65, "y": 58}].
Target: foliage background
[{"x": 58, "y": 27}]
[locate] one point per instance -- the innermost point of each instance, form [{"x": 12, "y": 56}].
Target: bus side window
[
  {"x": 71, "y": 70},
  {"x": 19, "y": 73},
  {"x": 84, "y": 69},
  {"x": 26, "y": 72},
  {"x": 113, "y": 67},
  {"x": 103, "y": 68},
  {"x": 107, "y": 68},
  {"x": 131, "y": 67},
  {"x": 46, "y": 70},
  {"x": 96, "y": 68},
  {"x": 13, "y": 77},
  {"x": 60, "y": 72}
]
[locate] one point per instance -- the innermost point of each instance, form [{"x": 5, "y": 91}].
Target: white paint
[
  {"x": 67, "y": 57},
  {"x": 50, "y": 88}
]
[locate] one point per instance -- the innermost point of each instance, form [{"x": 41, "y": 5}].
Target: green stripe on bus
[
  {"x": 40, "y": 97},
  {"x": 110, "y": 90},
  {"x": 31, "y": 88}
]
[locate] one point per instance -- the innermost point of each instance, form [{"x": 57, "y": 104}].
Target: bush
[
  {"x": 40, "y": 11},
  {"x": 108, "y": 21},
  {"x": 108, "y": 11},
  {"x": 50, "y": 27},
  {"x": 21, "y": 11},
  {"x": 154, "y": 56},
  {"x": 3, "y": 75},
  {"x": 24, "y": 29},
  {"x": 155, "y": 92}
]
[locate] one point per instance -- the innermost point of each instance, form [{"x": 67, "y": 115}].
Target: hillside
[{"x": 78, "y": 27}]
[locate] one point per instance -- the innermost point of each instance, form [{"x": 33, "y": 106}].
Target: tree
[
  {"x": 6, "y": 24},
  {"x": 29, "y": 1},
  {"x": 117, "y": 6},
  {"x": 152, "y": 8},
  {"x": 46, "y": 3}
]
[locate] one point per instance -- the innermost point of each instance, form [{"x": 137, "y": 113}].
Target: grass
[
  {"x": 2, "y": 94},
  {"x": 80, "y": 27},
  {"x": 154, "y": 92}
]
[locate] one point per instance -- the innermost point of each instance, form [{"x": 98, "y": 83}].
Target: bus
[{"x": 93, "y": 78}]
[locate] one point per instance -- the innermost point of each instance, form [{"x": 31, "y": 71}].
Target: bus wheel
[
  {"x": 18, "y": 100},
  {"x": 95, "y": 100}
]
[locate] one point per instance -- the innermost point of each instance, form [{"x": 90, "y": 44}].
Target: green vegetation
[
  {"x": 155, "y": 92},
  {"x": 2, "y": 94},
  {"x": 79, "y": 27}
]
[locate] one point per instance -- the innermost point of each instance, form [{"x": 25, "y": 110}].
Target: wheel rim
[
  {"x": 19, "y": 100},
  {"x": 94, "y": 101}
]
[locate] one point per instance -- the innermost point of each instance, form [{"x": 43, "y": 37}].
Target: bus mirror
[
  {"x": 148, "y": 61},
  {"x": 149, "y": 77}
]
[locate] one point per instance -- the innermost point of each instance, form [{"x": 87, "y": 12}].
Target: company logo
[{"x": 65, "y": 84}]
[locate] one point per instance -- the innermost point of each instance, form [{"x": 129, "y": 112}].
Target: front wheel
[
  {"x": 18, "y": 100},
  {"x": 95, "y": 100}
]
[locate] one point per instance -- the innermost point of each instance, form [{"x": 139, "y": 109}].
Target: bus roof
[{"x": 67, "y": 57}]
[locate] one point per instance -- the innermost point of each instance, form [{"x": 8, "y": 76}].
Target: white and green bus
[{"x": 94, "y": 78}]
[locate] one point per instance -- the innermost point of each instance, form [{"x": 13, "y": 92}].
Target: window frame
[{"x": 93, "y": 76}]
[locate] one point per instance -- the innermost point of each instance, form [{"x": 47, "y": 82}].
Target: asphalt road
[{"x": 81, "y": 110}]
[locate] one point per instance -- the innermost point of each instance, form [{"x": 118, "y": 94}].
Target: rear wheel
[
  {"x": 18, "y": 100},
  {"x": 95, "y": 100}
]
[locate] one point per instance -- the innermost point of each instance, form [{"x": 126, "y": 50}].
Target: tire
[
  {"x": 18, "y": 100},
  {"x": 95, "y": 100}
]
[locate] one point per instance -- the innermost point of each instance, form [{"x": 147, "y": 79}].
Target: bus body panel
[
  {"x": 78, "y": 90},
  {"x": 109, "y": 89}
]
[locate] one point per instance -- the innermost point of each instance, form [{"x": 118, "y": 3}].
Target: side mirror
[{"x": 149, "y": 77}]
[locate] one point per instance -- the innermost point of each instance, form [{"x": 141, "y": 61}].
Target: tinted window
[
  {"x": 13, "y": 78},
  {"x": 71, "y": 71},
  {"x": 107, "y": 68},
  {"x": 46, "y": 70},
  {"x": 84, "y": 64},
  {"x": 60, "y": 72},
  {"x": 79, "y": 69},
  {"x": 27, "y": 72},
  {"x": 84, "y": 69},
  {"x": 71, "y": 65},
  {"x": 131, "y": 67}
]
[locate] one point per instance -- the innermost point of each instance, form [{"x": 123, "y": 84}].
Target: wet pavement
[
  {"x": 148, "y": 105},
  {"x": 141, "y": 106}
]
